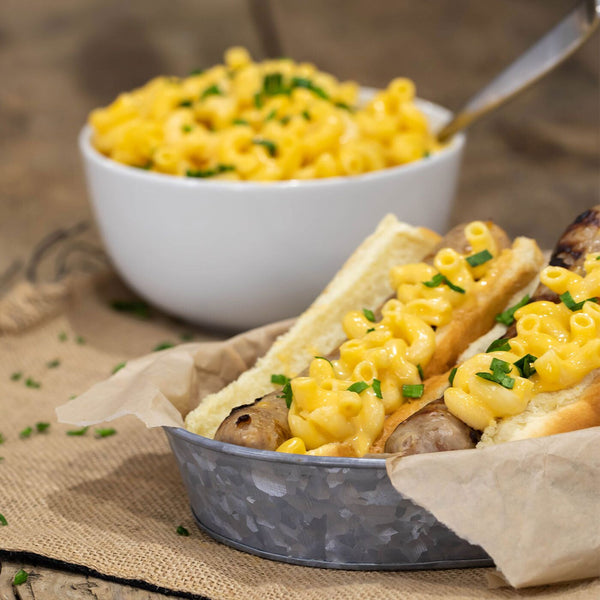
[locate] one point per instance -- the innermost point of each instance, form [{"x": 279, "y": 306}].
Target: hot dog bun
[
  {"x": 362, "y": 281},
  {"x": 561, "y": 411}
]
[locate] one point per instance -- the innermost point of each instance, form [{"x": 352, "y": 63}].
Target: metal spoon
[{"x": 557, "y": 45}]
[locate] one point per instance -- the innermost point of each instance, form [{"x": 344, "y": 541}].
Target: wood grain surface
[{"x": 531, "y": 167}]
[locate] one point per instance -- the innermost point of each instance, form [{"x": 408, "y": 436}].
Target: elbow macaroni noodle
[
  {"x": 273, "y": 120},
  {"x": 565, "y": 342},
  {"x": 324, "y": 411}
]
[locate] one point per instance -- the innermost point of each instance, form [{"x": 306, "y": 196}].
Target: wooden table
[{"x": 530, "y": 167}]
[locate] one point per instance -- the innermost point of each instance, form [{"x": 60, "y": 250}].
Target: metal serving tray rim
[{"x": 280, "y": 457}]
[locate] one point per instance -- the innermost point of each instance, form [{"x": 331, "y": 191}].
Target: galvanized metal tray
[{"x": 339, "y": 513}]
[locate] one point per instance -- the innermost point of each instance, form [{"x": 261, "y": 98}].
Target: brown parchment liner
[{"x": 532, "y": 505}]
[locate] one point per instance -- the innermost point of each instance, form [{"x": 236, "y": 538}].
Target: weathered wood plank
[{"x": 45, "y": 583}]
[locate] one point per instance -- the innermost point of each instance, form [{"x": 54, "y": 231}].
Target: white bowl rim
[{"x": 91, "y": 154}]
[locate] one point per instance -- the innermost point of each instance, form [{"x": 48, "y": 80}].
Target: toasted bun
[
  {"x": 514, "y": 268},
  {"x": 549, "y": 413},
  {"x": 362, "y": 281}
]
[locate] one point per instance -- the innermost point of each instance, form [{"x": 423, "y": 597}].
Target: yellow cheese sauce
[
  {"x": 270, "y": 120},
  {"x": 345, "y": 401},
  {"x": 559, "y": 342}
]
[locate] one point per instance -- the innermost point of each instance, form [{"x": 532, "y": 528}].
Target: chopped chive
[
  {"x": 240, "y": 122},
  {"x": 420, "y": 369},
  {"x": 107, "y": 432},
  {"x": 568, "y": 301},
  {"x": 370, "y": 329},
  {"x": 186, "y": 128},
  {"x": 285, "y": 120},
  {"x": 376, "y": 385},
  {"x": 500, "y": 345},
  {"x": 42, "y": 427},
  {"x": 369, "y": 315},
  {"x": 118, "y": 367},
  {"x": 499, "y": 374},
  {"x": 273, "y": 85},
  {"x": 20, "y": 577},
  {"x": 452, "y": 375},
  {"x": 210, "y": 172},
  {"x": 323, "y": 358},
  {"x": 344, "y": 106},
  {"x": 287, "y": 393},
  {"x": 525, "y": 365},
  {"x": 271, "y": 115},
  {"x": 212, "y": 90},
  {"x": 439, "y": 279},
  {"x": 413, "y": 391},
  {"x": 478, "y": 259},
  {"x": 163, "y": 346},
  {"x": 508, "y": 316},
  {"x": 358, "y": 387},
  {"x": 3, "y": 520},
  {"x": 78, "y": 432},
  {"x": 53, "y": 363},
  {"x": 270, "y": 146},
  {"x": 306, "y": 115},
  {"x": 25, "y": 433},
  {"x": 302, "y": 82},
  {"x": 32, "y": 383},
  {"x": 181, "y": 530},
  {"x": 16, "y": 376},
  {"x": 279, "y": 379},
  {"x": 62, "y": 336},
  {"x": 185, "y": 103}
]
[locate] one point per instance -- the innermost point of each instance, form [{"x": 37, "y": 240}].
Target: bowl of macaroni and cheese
[{"x": 230, "y": 197}]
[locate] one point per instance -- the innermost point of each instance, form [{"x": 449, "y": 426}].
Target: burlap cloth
[{"x": 112, "y": 505}]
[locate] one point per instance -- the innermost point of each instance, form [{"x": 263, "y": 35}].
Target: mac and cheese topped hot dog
[{"x": 272, "y": 120}]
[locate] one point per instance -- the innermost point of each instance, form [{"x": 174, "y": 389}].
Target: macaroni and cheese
[{"x": 273, "y": 120}]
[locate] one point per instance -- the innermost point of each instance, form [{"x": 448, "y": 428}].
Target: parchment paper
[{"x": 532, "y": 505}]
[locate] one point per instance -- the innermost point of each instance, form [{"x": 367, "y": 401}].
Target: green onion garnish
[
  {"x": 62, "y": 336},
  {"x": 20, "y": 577},
  {"x": 302, "y": 82},
  {"x": 41, "y": 427},
  {"x": 478, "y": 259},
  {"x": 344, "y": 106},
  {"x": 376, "y": 385},
  {"x": 186, "y": 128},
  {"x": 212, "y": 90},
  {"x": 185, "y": 103},
  {"x": 287, "y": 393},
  {"x": 3, "y": 520},
  {"x": 16, "y": 376},
  {"x": 163, "y": 346},
  {"x": 53, "y": 363},
  {"x": 525, "y": 365},
  {"x": 240, "y": 122},
  {"x": 80, "y": 340},
  {"x": 439, "y": 279},
  {"x": 568, "y": 301},
  {"x": 196, "y": 72},
  {"x": 258, "y": 100},
  {"x": 369, "y": 315},
  {"x": 31, "y": 383},
  {"x": 306, "y": 115},
  {"x": 358, "y": 387},
  {"x": 181, "y": 530},
  {"x": 452, "y": 374},
  {"x": 136, "y": 307},
  {"x": 323, "y": 358},
  {"x": 500, "y": 345},
  {"x": 499, "y": 369},
  {"x": 103, "y": 433},
  {"x": 209, "y": 172},
  {"x": 420, "y": 369},
  {"x": 118, "y": 367},
  {"x": 508, "y": 316},
  {"x": 271, "y": 115},
  {"x": 78, "y": 432},
  {"x": 413, "y": 391},
  {"x": 279, "y": 379},
  {"x": 25, "y": 433},
  {"x": 370, "y": 329},
  {"x": 270, "y": 146}
]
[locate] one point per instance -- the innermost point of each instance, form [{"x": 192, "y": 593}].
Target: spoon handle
[{"x": 557, "y": 45}]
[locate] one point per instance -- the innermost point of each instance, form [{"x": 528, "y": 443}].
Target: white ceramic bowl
[{"x": 235, "y": 255}]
